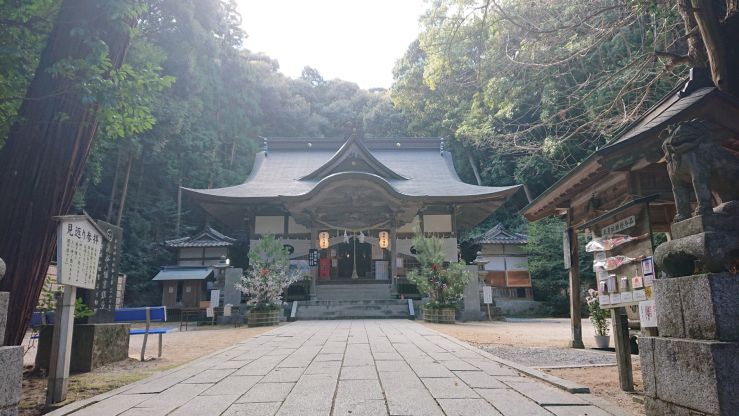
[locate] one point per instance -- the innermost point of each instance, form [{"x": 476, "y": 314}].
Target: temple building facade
[
  {"x": 504, "y": 264},
  {"x": 347, "y": 209},
  {"x": 199, "y": 257}
]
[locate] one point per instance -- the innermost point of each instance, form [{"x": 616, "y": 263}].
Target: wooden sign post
[
  {"x": 487, "y": 297},
  {"x": 79, "y": 242}
]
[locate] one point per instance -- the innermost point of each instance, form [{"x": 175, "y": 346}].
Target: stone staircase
[
  {"x": 354, "y": 309},
  {"x": 354, "y": 291}
]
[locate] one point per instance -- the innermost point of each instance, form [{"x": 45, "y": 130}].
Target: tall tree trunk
[
  {"x": 124, "y": 192},
  {"x": 114, "y": 187},
  {"x": 714, "y": 39},
  {"x": 46, "y": 150},
  {"x": 696, "y": 50}
]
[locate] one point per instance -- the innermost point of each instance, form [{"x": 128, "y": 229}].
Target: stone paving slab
[
  {"x": 467, "y": 407},
  {"x": 359, "y": 367}
]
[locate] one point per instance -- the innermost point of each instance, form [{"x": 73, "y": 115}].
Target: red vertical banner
[{"x": 324, "y": 269}]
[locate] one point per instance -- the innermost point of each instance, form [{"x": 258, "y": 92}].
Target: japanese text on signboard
[
  {"x": 78, "y": 252},
  {"x": 619, "y": 226}
]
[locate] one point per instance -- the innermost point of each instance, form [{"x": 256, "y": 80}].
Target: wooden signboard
[
  {"x": 79, "y": 243},
  {"x": 487, "y": 295},
  {"x": 215, "y": 298}
]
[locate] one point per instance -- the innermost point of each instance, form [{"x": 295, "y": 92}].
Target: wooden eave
[
  {"x": 564, "y": 190},
  {"x": 636, "y": 144}
]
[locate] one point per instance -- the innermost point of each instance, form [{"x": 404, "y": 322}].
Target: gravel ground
[
  {"x": 543, "y": 357},
  {"x": 542, "y": 343}
]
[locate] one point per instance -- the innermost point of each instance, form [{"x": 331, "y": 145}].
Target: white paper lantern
[
  {"x": 323, "y": 239},
  {"x": 384, "y": 238}
]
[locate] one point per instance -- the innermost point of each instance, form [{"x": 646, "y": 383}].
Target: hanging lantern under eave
[
  {"x": 323, "y": 239},
  {"x": 384, "y": 238}
]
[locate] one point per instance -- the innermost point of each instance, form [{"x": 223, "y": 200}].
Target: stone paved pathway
[{"x": 357, "y": 368}]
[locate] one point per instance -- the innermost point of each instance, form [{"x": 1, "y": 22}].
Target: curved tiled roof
[
  {"x": 420, "y": 172},
  {"x": 412, "y": 173},
  {"x": 498, "y": 235},
  {"x": 209, "y": 237}
]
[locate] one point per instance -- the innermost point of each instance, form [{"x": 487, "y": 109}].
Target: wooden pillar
[
  {"x": 620, "y": 324},
  {"x": 575, "y": 316},
  {"x": 314, "y": 245},
  {"x": 61, "y": 347}
]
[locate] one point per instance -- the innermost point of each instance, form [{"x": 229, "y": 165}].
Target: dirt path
[
  {"x": 527, "y": 341},
  {"x": 178, "y": 348}
]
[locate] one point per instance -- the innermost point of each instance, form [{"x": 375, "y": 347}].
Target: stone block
[
  {"x": 669, "y": 308},
  {"x": 461, "y": 407},
  {"x": 471, "y": 310},
  {"x": 11, "y": 374},
  {"x": 711, "y": 306},
  {"x": 646, "y": 358},
  {"x": 545, "y": 395},
  {"x": 93, "y": 345},
  {"x": 4, "y": 297},
  {"x": 512, "y": 403},
  {"x": 703, "y": 223},
  {"x": 230, "y": 293},
  {"x": 657, "y": 407},
  {"x": 702, "y": 306},
  {"x": 710, "y": 241},
  {"x": 696, "y": 374}
]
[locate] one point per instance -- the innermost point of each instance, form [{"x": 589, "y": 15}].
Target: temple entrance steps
[
  {"x": 353, "y": 309},
  {"x": 354, "y": 291}
]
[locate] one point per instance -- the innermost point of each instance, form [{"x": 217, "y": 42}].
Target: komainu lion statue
[{"x": 696, "y": 160}]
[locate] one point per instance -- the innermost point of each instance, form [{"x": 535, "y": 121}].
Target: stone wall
[
  {"x": 521, "y": 307},
  {"x": 692, "y": 368},
  {"x": 93, "y": 345}
]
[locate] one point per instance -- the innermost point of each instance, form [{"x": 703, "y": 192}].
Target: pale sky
[{"x": 354, "y": 40}]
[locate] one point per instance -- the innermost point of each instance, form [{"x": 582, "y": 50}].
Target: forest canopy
[{"x": 523, "y": 90}]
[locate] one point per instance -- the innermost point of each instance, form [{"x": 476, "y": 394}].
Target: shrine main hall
[{"x": 354, "y": 204}]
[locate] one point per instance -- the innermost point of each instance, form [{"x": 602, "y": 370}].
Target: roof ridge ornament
[{"x": 353, "y": 150}]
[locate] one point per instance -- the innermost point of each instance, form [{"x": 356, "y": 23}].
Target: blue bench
[
  {"x": 147, "y": 314},
  {"x": 41, "y": 318}
]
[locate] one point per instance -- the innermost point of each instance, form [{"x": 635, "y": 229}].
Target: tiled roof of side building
[
  {"x": 208, "y": 237},
  {"x": 499, "y": 235}
]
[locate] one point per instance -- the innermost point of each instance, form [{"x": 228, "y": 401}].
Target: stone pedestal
[
  {"x": 692, "y": 368},
  {"x": 4, "y": 299},
  {"x": 706, "y": 243},
  {"x": 471, "y": 310},
  {"x": 230, "y": 293},
  {"x": 11, "y": 374},
  {"x": 93, "y": 345},
  {"x": 11, "y": 364}
]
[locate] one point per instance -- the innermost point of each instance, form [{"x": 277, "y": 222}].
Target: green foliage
[
  {"x": 598, "y": 316},
  {"x": 534, "y": 87},
  {"x": 81, "y": 310},
  {"x": 443, "y": 283},
  {"x": 23, "y": 31},
  {"x": 526, "y": 90},
  {"x": 549, "y": 278}
]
